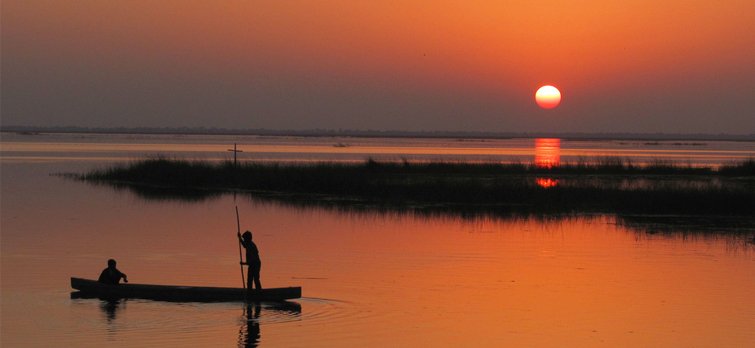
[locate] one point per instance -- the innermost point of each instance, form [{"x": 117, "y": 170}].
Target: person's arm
[
  {"x": 121, "y": 275},
  {"x": 118, "y": 275},
  {"x": 241, "y": 241}
]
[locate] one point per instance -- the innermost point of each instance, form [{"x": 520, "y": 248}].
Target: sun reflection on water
[
  {"x": 546, "y": 182},
  {"x": 547, "y": 155}
]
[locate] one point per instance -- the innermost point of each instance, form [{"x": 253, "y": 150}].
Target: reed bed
[{"x": 605, "y": 185}]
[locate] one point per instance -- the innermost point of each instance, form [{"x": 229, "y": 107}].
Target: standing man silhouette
[{"x": 252, "y": 260}]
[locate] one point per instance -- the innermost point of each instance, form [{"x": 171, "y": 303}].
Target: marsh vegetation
[{"x": 603, "y": 186}]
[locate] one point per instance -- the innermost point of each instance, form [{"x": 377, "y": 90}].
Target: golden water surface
[{"x": 368, "y": 279}]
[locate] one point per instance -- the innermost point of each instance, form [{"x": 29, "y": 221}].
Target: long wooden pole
[{"x": 241, "y": 265}]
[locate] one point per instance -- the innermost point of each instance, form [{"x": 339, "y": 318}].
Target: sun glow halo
[{"x": 548, "y": 97}]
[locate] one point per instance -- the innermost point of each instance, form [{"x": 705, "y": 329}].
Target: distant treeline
[
  {"x": 605, "y": 186},
  {"x": 375, "y": 133}
]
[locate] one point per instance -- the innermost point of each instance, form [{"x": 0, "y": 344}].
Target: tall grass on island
[{"x": 603, "y": 186}]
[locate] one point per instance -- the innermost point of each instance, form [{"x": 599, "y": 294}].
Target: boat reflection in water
[
  {"x": 111, "y": 307},
  {"x": 249, "y": 332},
  {"x": 547, "y": 155}
]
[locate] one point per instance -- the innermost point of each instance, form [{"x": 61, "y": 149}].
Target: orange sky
[{"x": 385, "y": 65}]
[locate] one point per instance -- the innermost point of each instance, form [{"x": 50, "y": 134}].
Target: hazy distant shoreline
[{"x": 30, "y": 130}]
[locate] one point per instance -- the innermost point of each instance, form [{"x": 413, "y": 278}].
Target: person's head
[
  {"x": 111, "y": 263},
  {"x": 247, "y": 235}
]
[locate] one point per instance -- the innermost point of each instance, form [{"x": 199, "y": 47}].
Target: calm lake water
[{"x": 368, "y": 278}]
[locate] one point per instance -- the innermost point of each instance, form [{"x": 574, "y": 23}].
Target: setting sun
[{"x": 548, "y": 97}]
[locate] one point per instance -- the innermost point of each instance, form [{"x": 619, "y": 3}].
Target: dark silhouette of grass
[
  {"x": 603, "y": 186},
  {"x": 746, "y": 168}
]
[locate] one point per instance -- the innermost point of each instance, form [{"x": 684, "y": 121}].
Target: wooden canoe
[{"x": 93, "y": 288}]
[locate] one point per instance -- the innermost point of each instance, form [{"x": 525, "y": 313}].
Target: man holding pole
[{"x": 252, "y": 260}]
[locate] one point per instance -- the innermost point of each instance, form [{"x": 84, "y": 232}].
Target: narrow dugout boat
[{"x": 93, "y": 288}]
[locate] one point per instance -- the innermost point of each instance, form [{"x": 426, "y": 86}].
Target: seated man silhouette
[{"x": 111, "y": 275}]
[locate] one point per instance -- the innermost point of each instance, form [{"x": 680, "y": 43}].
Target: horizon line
[{"x": 325, "y": 132}]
